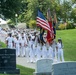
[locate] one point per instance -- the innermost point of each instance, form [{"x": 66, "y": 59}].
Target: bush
[
  {"x": 32, "y": 23},
  {"x": 70, "y": 26},
  {"x": 61, "y": 26}
]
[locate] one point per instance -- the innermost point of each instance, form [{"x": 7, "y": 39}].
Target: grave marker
[
  {"x": 65, "y": 68},
  {"x": 43, "y": 67},
  {"x": 8, "y": 61}
]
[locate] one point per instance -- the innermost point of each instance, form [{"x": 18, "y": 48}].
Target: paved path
[
  {"x": 23, "y": 61},
  {"x": 2, "y": 38}
]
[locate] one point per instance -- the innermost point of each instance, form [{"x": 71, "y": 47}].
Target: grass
[
  {"x": 23, "y": 71},
  {"x": 69, "y": 41},
  {"x": 2, "y": 45}
]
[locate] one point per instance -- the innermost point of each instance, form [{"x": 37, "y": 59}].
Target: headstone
[
  {"x": 65, "y": 68},
  {"x": 8, "y": 61},
  {"x": 43, "y": 67}
]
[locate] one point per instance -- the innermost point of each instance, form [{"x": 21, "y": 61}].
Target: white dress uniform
[
  {"x": 38, "y": 52},
  {"x": 54, "y": 48},
  {"x": 10, "y": 40},
  {"x": 23, "y": 42},
  {"x": 44, "y": 51},
  {"x": 34, "y": 49},
  {"x": 17, "y": 46},
  {"x": 60, "y": 52},
  {"x": 14, "y": 39},
  {"x": 19, "y": 35},
  {"x": 31, "y": 54},
  {"x": 50, "y": 52},
  {"x": 25, "y": 38},
  {"x": 27, "y": 53}
]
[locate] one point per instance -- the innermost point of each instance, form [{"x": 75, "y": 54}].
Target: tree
[
  {"x": 73, "y": 15},
  {"x": 10, "y": 7},
  {"x": 27, "y": 9}
]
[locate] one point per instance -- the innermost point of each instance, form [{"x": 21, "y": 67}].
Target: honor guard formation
[{"x": 27, "y": 44}]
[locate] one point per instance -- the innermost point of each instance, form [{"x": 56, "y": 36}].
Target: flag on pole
[
  {"x": 41, "y": 21},
  {"x": 50, "y": 35},
  {"x": 41, "y": 35},
  {"x": 55, "y": 18},
  {"x": 54, "y": 23}
]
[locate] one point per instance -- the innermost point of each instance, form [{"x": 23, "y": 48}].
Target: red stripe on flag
[{"x": 43, "y": 23}]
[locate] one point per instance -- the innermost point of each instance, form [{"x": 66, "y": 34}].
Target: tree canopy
[
  {"x": 10, "y": 7},
  {"x": 27, "y": 9}
]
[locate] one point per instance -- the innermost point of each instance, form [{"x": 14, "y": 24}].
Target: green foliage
[
  {"x": 61, "y": 26},
  {"x": 32, "y": 23},
  {"x": 62, "y": 9},
  {"x": 10, "y": 7},
  {"x": 27, "y": 9},
  {"x": 70, "y": 25},
  {"x": 73, "y": 14}
]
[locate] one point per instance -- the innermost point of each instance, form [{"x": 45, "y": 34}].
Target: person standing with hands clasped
[{"x": 60, "y": 50}]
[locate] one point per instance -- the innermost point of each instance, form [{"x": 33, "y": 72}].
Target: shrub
[
  {"x": 70, "y": 26},
  {"x": 32, "y": 23},
  {"x": 61, "y": 26}
]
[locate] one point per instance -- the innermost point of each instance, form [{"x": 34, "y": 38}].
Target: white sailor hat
[{"x": 59, "y": 39}]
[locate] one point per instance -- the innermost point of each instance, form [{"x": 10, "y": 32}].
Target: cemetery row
[
  {"x": 43, "y": 66},
  {"x": 47, "y": 67}
]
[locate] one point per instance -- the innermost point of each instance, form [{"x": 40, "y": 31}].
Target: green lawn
[
  {"x": 23, "y": 71},
  {"x": 69, "y": 41},
  {"x": 2, "y": 45}
]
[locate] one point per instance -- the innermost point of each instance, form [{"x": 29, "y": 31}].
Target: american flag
[
  {"x": 50, "y": 35},
  {"x": 41, "y": 21}
]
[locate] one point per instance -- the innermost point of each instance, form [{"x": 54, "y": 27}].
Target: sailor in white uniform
[
  {"x": 14, "y": 39},
  {"x": 23, "y": 45},
  {"x": 44, "y": 51},
  {"x": 27, "y": 53},
  {"x": 38, "y": 52},
  {"x": 50, "y": 52},
  {"x": 17, "y": 46},
  {"x": 31, "y": 54},
  {"x": 54, "y": 48},
  {"x": 9, "y": 41},
  {"x": 60, "y": 50}
]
